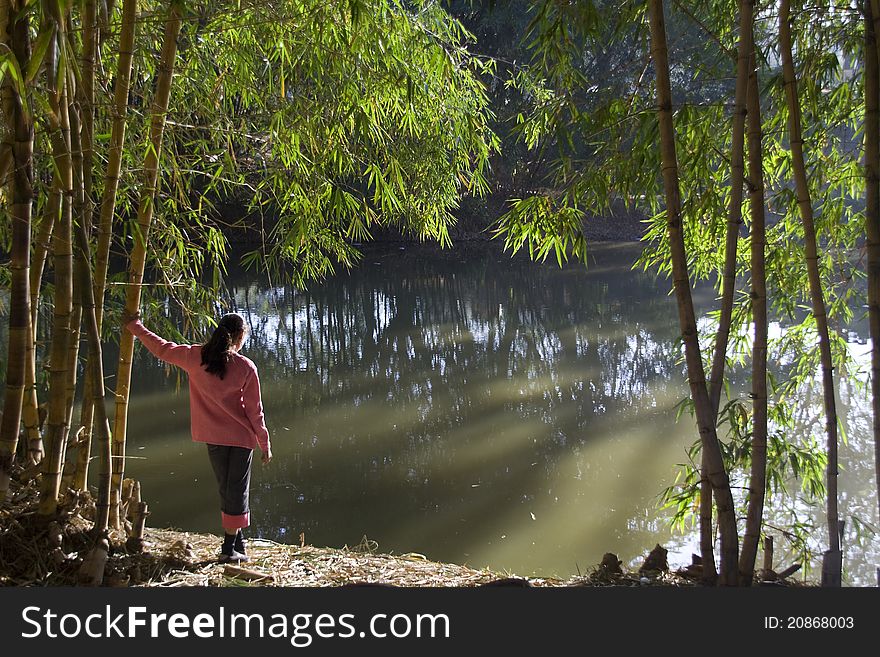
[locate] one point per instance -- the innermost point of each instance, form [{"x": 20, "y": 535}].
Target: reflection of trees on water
[
  {"x": 436, "y": 403},
  {"x": 451, "y": 382}
]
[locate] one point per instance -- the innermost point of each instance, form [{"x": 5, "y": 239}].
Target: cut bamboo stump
[
  {"x": 832, "y": 569},
  {"x": 832, "y": 562},
  {"x": 767, "y": 574},
  {"x": 768, "y": 553}
]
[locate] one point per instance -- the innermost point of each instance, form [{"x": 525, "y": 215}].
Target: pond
[{"x": 465, "y": 405}]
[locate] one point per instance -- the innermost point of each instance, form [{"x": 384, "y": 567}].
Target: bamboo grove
[
  {"x": 748, "y": 131},
  {"x": 123, "y": 122}
]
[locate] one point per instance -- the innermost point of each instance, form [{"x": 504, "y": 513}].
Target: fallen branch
[{"x": 246, "y": 573}]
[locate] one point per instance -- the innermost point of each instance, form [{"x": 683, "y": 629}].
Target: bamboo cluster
[
  {"x": 747, "y": 111},
  {"x": 66, "y": 51}
]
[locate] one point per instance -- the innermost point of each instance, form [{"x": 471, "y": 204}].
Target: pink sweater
[{"x": 225, "y": 411}]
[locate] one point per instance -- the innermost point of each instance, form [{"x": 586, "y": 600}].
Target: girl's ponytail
[{"x": 216, "y": 351}]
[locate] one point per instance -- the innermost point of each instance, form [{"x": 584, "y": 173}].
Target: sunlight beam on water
[{"x": 438, "y": 403}]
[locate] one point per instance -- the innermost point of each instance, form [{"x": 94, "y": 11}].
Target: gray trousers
[{"x": 232, "y": 468}]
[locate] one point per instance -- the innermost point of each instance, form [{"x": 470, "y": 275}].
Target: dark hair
[{"x": 215, "y": 352}]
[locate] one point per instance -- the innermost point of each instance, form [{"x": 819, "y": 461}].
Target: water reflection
[{"x": 467, "y": 406}]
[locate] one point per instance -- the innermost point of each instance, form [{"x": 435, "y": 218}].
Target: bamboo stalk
[
  {"x": 114, "y": 159},
  {"x": 811, "y": 251},
  {"x": 734, "y": 211},
  {"x": 42, "y": 245},
  {"x": 728, "y": 277},
  {"x": 7, "y": 131},
  {"x": 77, "y": 218},
  {"x": 139, "y": 251},
  {"x": 95, "y": 364},
  {"x": 30, "y": 411},
  {"x": 872, "y": 211},
  {"x": 87, "y": 101},
  {"x": 108, "y": 198},
  {"x": 63, "y": 257},
  {"x": 87, "y": 104},
  {"x": 687, "y": 321},
  {"x": 758, "y": 469},
  {"x": 20, "y": 216}
]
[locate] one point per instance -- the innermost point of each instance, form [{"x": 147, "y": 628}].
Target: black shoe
[
  {"x": 239, "y": 545},
  {"x": 232, "y": 556},
  {"x": 228, "y": 551}
]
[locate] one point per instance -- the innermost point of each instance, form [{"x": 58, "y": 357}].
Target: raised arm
[
  {"x": 170, "y": 352},
  {"x": 253, "y": 407}
]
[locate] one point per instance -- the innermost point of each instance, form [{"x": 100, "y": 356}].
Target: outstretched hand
[
  {"x": 128, "y": 317},
  {"x": 267, "y": 456}
]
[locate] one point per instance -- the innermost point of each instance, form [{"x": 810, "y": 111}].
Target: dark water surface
[{"x": 468, "y": 406}]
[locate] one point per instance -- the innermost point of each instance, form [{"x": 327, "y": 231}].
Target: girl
[{"x": 226, "y": 413}]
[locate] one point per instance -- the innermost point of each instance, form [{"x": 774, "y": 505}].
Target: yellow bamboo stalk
[
  {"x": 20, "y": 216},
  {"x": 139, "y": 251},
  {"x": 42, "y": 244},
  {"x": 87, "y": 104},
  {"x": 108, "y": 198},
  {"x": 63, "y": 257},
  {"x": 687, "y": 321},
  {"x": 76, "y": 160},
  {"x": 87, "y": 119},
  {"x": 78, "y": 219},
  {"x": 7, "y": 134},
  {"x": 30, "y": 411},
  {"x": 102, "y": 423},
  {"x": 114, "y": 156}
]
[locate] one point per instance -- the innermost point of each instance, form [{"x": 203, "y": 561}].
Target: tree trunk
[
  {"x": 687, "y": 321},
  {"x": 20, "y": 216},
  {"x": 139, "y": 251},
  {"x": 758, "y": 470},
  {"x": 872, "y": 210},
  {"x": 817, "y": 297}
]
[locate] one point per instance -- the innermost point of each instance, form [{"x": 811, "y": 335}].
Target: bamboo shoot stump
[
  {"x": 135, "y": 542},
  {"x": 91, "y": 573},
  {"x": 55, "y": 534},
  {"x": 131, "y": 499}
]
